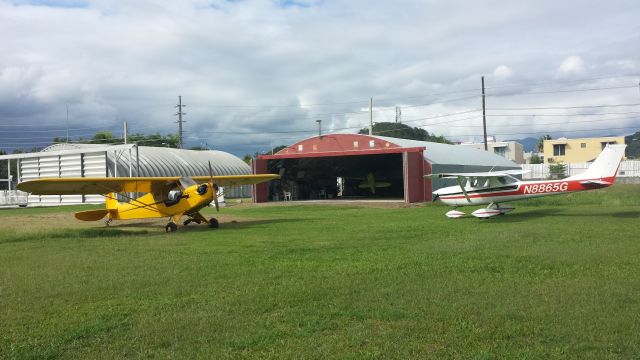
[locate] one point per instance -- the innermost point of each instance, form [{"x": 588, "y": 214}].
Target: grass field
[{"x": 557, "y": 278}]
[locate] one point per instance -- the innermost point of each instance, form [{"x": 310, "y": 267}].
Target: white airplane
[{"x": 497, "y": 187}]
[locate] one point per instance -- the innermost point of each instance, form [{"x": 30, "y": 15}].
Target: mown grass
[{"x": 557, "y": 278}]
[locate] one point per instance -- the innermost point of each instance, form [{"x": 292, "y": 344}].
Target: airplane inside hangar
[{"x": 356, "y": 166}]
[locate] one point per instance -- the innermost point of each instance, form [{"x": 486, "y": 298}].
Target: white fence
[
  {"x": 628, "y": 168},
  {"x": 13, "y": 197}
]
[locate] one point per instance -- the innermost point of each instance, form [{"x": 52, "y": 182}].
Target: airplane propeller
[{"x": 214, "y": 188}]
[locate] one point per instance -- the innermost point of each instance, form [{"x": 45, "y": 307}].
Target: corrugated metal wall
[{"x": 68, "y": 165}]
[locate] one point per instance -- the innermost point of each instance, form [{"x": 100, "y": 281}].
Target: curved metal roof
[
  {"x": 66, "y": 146},
  {"x": 438, "y": 153},
  {"x": 434, "y": 153},
  {"x": 158, "y": 161},
  {"x": 161, "y": 161}
]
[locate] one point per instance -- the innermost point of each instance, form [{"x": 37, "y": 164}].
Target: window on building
[
  {"x": 355, "y": 144},
  {"x": 583, "y": 145},
  {"x": 372, "y": 143},
  {"x": 558, "y": 149},
  {"x": 300, "y": 147},
  {"x": 500, "y": 150}
]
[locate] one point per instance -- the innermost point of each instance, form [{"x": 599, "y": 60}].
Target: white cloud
[
  {"x": 256, "y": 66},
  {"x": 572, "y": 65},
  {"x": 502, "y": 72}
]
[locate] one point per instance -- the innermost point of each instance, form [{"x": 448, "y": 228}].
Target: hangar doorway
[{"x": 374, "y": 176}]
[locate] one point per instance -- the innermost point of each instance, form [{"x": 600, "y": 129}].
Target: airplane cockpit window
[
  {"x": 173, "y": 197},
  {"x": 502, "y": 180},
  {"x": 185, "y": 182}
]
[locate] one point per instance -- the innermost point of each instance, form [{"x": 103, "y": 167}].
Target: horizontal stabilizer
[
  {"x": 596, "y": 183},
  {"x": 92, "y": 215}
]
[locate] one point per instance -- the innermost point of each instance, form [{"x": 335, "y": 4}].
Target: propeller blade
[{"x": 214, "y": 188}]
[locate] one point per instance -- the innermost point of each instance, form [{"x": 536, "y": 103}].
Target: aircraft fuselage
[{"x": 454, "y": 196}]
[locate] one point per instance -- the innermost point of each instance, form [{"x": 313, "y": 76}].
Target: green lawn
[{"x": 557, "y": 278}]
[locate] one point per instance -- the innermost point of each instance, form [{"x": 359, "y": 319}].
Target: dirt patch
[{"x": 43, "y": 222}]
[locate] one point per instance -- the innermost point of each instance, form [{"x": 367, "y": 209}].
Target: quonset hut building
[
  {"x": 129, "y": 160},
  {"x": 355, "y": 166}
]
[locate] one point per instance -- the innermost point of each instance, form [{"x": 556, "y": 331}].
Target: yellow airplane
[{"x": 172, "y": 197}]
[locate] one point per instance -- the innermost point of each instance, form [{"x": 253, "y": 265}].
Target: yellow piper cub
[{"x": 172, "y": 197}]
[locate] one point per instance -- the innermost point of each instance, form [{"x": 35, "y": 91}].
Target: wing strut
[{"x": 459, "y": 181}]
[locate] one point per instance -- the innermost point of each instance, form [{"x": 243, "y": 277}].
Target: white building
[{"x": 509, "y": 149}]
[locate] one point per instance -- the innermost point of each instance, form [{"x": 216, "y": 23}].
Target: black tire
[
  {"x": 171, "y": 227},
  {"x": 213, "y": 223}
]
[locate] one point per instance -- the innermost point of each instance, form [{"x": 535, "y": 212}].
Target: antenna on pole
[
  {"x": 484, "y": 118},
  {"x": 319, "y": 127},
  {"x": 125, "y": 131},
  {"x": 398, "y": 114},
  {"x": 180, "y": 113}
]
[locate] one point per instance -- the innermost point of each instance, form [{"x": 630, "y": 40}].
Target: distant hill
[{"x": 528, "y": 144}]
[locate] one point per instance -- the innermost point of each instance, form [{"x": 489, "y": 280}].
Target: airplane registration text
[{"x": 546, "y": 187}]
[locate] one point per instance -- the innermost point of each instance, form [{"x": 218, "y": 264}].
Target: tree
[
  {"x": 541, "y": 142},
  {"x": 536, "y": 159},
  {"x": 633, "y": 145},
  {"x": 557, "y": 171},
  {"x": 105, "y": 137},
  {"x": 247, "y": 158},
  {"x": 403, "y": 131}
]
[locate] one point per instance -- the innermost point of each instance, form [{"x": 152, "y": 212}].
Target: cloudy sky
[{"x": 260, "y": 73}]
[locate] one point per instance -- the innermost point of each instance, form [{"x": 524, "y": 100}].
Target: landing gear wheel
[
  {"x": 187, "y": 222},
  {"x": 213, "y": 223},
  {"x": 171, "y": 227},
  {"x": 107, "y": 222}
]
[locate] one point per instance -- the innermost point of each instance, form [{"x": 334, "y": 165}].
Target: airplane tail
[{"x": 605, "y": 166}]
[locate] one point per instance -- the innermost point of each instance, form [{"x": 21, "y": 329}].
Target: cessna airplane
[
  {"x": 497, "y": 187},
  {"x": 172, "y": 197}
]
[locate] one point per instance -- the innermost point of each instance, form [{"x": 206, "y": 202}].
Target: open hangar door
[{"x": 373, "y": 176}]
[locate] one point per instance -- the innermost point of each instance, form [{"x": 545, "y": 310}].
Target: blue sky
[{"x": 260, "y": 73}]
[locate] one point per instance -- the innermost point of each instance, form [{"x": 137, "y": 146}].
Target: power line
[
  {"x": 606, "y": 77},
  {"x": 563, "y": 107},
  {"x": 564, "y": 91}
]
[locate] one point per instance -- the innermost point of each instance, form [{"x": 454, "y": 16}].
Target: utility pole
[
  {"x": 370, "y": 116},
  {"x": 319, "y": 128},
  {"x": 484, "y": 118},
  {"x": 398, "y": 115},
  {"x": 124, "y": 133},
  {"x": 180, "y": 113}
]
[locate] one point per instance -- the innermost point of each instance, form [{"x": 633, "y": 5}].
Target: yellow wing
[{"x": 102, "y": 186}]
